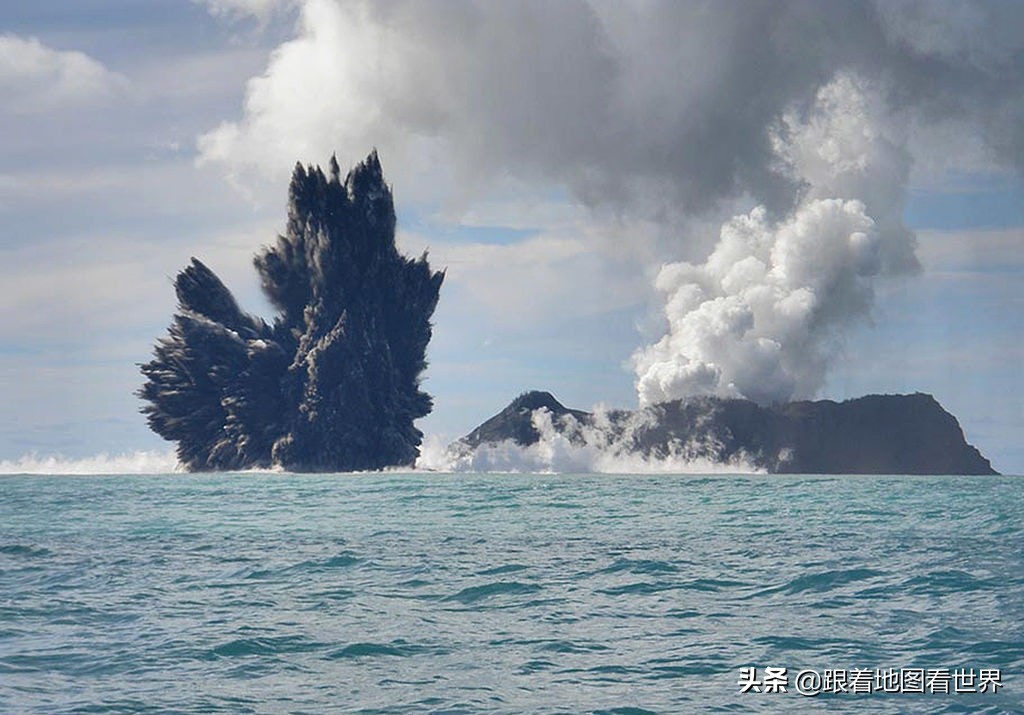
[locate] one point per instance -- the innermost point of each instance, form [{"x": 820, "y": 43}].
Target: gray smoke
[
  {"x": 812, "y": 112},
  {"x": 643, "y": 106}
]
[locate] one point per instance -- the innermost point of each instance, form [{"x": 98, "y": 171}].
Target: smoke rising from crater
[
  {"x": 764, "y": 315},
  {"x": 815, "y": 113}
]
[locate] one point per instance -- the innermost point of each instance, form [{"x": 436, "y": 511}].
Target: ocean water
[{"x": 420, "y": 593}]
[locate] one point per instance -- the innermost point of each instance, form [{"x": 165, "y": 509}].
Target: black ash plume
[{"x": 334, "y": 383}]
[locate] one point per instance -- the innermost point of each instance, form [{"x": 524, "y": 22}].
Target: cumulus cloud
[{"x": 34, "y": 77}]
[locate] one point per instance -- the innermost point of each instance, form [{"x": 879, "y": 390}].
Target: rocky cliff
[{"x": 876, "y": 434}]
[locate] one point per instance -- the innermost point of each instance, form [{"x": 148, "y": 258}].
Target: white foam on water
[
  {"x": 575, "y": 448},
  {"x": 139, "y": 462}
]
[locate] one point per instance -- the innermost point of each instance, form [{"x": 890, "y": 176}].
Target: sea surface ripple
[{"x": 435, "y": 593}]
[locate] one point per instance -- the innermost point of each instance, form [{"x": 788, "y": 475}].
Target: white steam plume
[{"x": 764, "y": 315}]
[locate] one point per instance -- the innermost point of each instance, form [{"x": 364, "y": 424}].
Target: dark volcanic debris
[{"x": 334, "y": 383}]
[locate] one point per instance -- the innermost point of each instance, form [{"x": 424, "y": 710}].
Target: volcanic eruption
[{"x": 333, "y": 384}]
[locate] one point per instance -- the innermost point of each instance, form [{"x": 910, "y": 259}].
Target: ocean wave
[
  {"x": 139, "y": 462},
  {"x": 473, "y": 594}
]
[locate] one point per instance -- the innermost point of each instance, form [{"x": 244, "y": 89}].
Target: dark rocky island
[
  {"x": 333, "y": 383},
  {"x": 876, "y": 434}
]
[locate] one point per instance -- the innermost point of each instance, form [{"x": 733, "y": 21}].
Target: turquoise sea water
[{"x": 410, "y": 593}]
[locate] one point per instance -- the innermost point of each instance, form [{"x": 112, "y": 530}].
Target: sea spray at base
[
  {"x": 140, "y": 462},
  {"x": 556, "y": 453}
]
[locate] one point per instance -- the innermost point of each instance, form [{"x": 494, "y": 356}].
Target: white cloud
[
  {"x": 262, "y": 10},
  {"x": 34, "y": 77}
]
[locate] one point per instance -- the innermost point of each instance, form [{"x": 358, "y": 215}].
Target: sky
[{"x": 633, "y": 201}]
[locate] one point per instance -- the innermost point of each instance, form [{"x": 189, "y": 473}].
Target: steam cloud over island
[
  {"x": 648, "y": 118},
  {"x": 763, "y": 317},
  {"x": 333, "y": 384}
]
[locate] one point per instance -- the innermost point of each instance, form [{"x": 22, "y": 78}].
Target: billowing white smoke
[{"x": 764, "y": 315}]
